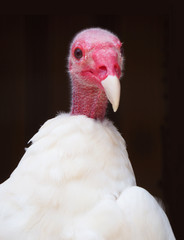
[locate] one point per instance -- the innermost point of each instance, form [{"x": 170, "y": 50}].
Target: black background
[{"x": 35, "y": 87}]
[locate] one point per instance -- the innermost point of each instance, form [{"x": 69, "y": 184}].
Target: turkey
[{"x": 75, "y": 181}]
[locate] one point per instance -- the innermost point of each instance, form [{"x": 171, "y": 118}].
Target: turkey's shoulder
[
  {"x": 70, "y": 147},
  {"x": 66, "y": 125}
]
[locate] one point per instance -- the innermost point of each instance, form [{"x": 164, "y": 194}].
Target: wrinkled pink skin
[{"x": 101, "y": 57}]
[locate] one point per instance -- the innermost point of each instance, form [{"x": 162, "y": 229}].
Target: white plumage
[{"x": 75, "y": 182}]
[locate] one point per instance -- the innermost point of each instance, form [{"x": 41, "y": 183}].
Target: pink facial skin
[{"x": 98, "y": 56}]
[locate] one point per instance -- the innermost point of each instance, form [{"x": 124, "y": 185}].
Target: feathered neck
[{"x": 89, "y": 101}]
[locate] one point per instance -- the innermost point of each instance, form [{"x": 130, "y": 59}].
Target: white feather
[
  {"x": 75, "y": 168},
  {"x": 144, "y": 217},
  {"x": 75, "y": 182}
]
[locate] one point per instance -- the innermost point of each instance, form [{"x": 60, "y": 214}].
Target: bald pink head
[
  {"x": 95, "y": 36},
  {"x": 94, "y": 55}
]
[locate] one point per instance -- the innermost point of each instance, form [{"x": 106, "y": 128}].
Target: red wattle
[{"x": 92, "y": 105}]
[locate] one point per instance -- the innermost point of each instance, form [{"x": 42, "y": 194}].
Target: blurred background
[{"x": 35, "y": 87}]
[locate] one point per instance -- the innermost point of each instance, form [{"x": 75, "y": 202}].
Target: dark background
[{"x": 35, "y": 86}]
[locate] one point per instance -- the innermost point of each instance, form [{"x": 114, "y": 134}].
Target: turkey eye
[{"x": 78, "y": 53}]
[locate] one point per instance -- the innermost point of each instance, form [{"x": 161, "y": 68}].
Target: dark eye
[{"x": 78, "y": 53}]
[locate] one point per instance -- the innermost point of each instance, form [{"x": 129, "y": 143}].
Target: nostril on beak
[
  {"x": 102, "y": 71},
  {"x": 117, "y": 70}
]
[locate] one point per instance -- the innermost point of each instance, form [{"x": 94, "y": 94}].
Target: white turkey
[{"x": 75, "y": 181}]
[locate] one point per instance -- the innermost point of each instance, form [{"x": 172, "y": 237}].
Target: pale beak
[{"x": 112, "y": 89}]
